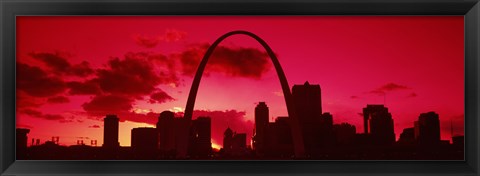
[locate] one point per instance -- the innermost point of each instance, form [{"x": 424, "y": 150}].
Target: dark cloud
[
  {"x": 131, "y": 76},
  {"x": 108, "y": 104},
  {"x": 60, "y": 65},
  {"x": 94, "y": 126},
  {"x": 354, "y": 97},
  {"x": 173, "y": 35},
  {"x": 235, "y": 62},
  {"x": 160, "y": 97},
  {"x": 388, "y": 88},
  {"x": 27, "y": 101},
  {"x": 89, "y": 87},
  {"x": 58, "y": 100},
  {"x": 82, "y": 70},
  {"x": 38, "y": 114},
  {"x": 53, "y": 60},
  {"x": 412, "y": 95},
  {"x": 35, "y": 82},
  {"x": 147, "y": 42}
]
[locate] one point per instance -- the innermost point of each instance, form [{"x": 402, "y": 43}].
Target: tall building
[
  {"x": 407, "y": 137},
  {"x": 428, "y": 129},
  {"x": 234, "y": 144},
  {"x": 308, "y": 108},
  {"x": 110, "y": 132},
  {"x": 261, "y": 122},
  {"x": 200, "y": 144},
  {"x": 344, "y": 133},
  {"x": 21, "y": 142},
  {"x": 166, "y": 130},
  {"x": 227, "y": 140},
  {"x": 327, "y": 136},
  {"x": 381, "y": 124},
  {"x": 144, "y": 143}
]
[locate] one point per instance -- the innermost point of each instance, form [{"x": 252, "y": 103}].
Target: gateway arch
[{"x": 295, "y": 126}]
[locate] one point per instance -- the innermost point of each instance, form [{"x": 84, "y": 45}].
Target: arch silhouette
[{"x": 296, "y": 134}]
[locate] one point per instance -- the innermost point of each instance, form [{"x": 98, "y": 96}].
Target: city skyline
[{"x": 168, "y": 89}]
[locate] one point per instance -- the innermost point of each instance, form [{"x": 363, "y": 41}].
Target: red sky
[{"x": 71, "y": 71}]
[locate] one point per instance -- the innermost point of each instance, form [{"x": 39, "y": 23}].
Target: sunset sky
[{"x": 71, "y": 71}]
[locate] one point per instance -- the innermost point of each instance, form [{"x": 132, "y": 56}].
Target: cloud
[
  {"x": 388, "y": 88},
  {"x": 53, "y": 60},
  {"x": 82, "y": 70},
  {"x": 35, "y": 82},
  {"x": 234, "y": 62},
  {"x": 38, "y": 114},
  {"x": 27, "y": 101},
  {"x": 133, "y": 76},
  {"x": 60, "y": 65},
  {"x": 160, "y": 97},
  {"x": 170, "y": 35},
  {"x": 89, "y": 87},
  {"x": 412, "y": 95},
  {"x": 146, "y": 41},
  {"x": 58, "y": 100},
  {"x": 354, "y": 97},
  {"x": 101, "y": 105},
  {"x": 173, "y": 35},
  {"x": 94, "y": 126}
]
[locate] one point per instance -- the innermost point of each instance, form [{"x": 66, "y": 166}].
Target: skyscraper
[
  {"x": 381, "y": 124},
  {"x": 261, "y": 122},
  {"x": 21, "y": 140},
  {"x": 144, "y": 143},
  {"x": 308, "y": 107},
  {"x": 166, "y": 129},
  {"x": 200, "y": 137},
  {"x": 110, "y": 132},
  {"x": 428, "y": 129}
]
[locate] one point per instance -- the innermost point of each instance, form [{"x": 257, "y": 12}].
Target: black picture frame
[{"x": 470, "y": 9}]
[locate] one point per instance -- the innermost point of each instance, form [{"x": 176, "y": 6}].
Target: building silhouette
[
  {"x": 308, "y": 107},
  {"x": 166, "y": 127},
  {"x": 21, "y": 142},
  {"x": 327, "y": 136},
  {"x": 234, "y": 144},
  {"x": 144, "y": 143},
  {"x": 110, "y": 132},
  {"x": 200, "y": 144},
  {"x": 344, "y": 134},
  {"x": 407, "y": 137},
  {"x": 427, "y": 129},
  {"x": 261, "y": 122},
  {"x": 280, "y": 133},
  {"x": 381, "y": 124}
]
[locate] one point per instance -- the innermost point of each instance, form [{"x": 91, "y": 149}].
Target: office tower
[
  {"x": 381, "y": 124},
  {"x": 261, "y": 122},
  {"x": 21, "y": 142},
  {"x": 144, "y": 143},
  {"x": 407, "y": 137},
  {"x": 428, "y": 129},
  {"x": 166, "y": 129},
  {"x": 234, "y": 144},
  {"x": 344, "y": 133},
  {"x": 283, "y": 137},
  {"x": 327, "y": 137},
  {"x": 227, "y": 140},
  {"x": 200, "y": 144},
  {"x": 110, "y": 132},
  {"x": 308, "y": 108}
]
